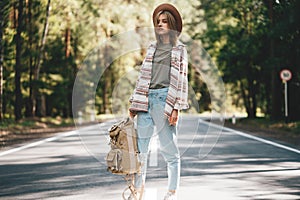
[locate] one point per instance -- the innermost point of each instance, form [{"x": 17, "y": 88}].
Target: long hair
[{"x": 172, "y": 25}]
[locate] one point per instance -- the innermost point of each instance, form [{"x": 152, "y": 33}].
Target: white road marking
[
  {"x": 51, "y": 139},
  {"x": 66, "y": 134},
  {"x": 250, "y": 136},
  {"x": 151, "y": 194}
]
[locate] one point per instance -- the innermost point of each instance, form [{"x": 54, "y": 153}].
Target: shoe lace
[
  {"x": 131, "y": 197},
  {"x": 169, "y": 196}
]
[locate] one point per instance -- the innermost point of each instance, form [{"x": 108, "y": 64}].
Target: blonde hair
[{"x": 172, "y": 26}]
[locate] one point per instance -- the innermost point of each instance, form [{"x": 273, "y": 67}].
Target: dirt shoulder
[
  {"x": 275, "y": 134},
  {"x": 10, "y": 138},
  {"x": 17, "y": 133}
]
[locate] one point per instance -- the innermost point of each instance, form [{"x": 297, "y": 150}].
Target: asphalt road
[{"x": 216, "y": 164}]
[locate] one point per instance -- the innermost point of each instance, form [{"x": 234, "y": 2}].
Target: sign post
[{"x": 285, "y": 76}]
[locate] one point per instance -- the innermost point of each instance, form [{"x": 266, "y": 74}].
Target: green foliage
[
  {"x": 242, "y": 38},
  {"x": 34, "y": 123},
  {"x": 265, "y": 123},
  {"x": 239, "y": 36}
]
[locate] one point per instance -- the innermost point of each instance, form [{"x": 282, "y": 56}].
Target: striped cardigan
[{"x": 178, "y": 89}]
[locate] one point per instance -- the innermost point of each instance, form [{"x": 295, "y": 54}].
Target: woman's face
[{"x": 162, "y": 25}]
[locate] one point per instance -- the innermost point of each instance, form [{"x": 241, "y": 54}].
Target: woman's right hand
[{"x": 132, "y": 114}]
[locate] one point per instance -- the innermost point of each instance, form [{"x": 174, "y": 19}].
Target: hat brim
[{"x": 173, "y": 11}]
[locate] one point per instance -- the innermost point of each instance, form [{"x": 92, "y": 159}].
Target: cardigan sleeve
[
  {"x": 136, "y": 83},
  {"x": 182, "y": 90},
  {"x": 139, "y": 98}
]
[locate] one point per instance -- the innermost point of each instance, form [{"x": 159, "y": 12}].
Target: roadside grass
[
  {"x": 10, "y": 125},
  {"x": 57, "y": 122},
  {"x": 267, "y": 124},
  {"x": 34, "y": 123}
]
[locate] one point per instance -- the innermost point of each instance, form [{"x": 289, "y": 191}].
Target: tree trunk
[
  {"x": 276, "y": 113},
  {"x": 252, "y": 93},
  {"x": 67, "y": 41},
  {"x": 275, "y": 83},
  {"x": 68, "y": 95},
  {"x": 18, "y": 39},
  {"x": 44, "y": 38},
  {"x": 249, "y": 98},
  {"x": 30, "y": 112},
  {"x": 2, "y": 22},
  {"x": 267, "y": 90},
  {"x": 252, "y": 97},
  {"x": 245, "y": 98},
  {"x": 37, "y": 67}
]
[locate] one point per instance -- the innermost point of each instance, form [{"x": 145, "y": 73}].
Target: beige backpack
[{"x": 123, "y": 157}]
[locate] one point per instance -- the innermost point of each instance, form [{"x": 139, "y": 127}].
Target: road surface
[{"x": 216, "y": 164}]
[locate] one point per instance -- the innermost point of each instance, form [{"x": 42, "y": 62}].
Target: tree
[
  {"x": 18, "y": 65},
  {"x": 284, "y": 37},
  {"x": 35, "y": 67},
  {"x": 4, "y": 5},
  {"x": 252, "y": 41},
  {"x": 234, "y": 37}
]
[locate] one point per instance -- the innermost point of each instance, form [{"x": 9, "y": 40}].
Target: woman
[{"x": 160, "y": 92}]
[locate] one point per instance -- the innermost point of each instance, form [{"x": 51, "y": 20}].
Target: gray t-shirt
[{"x": 161, "y": 67}]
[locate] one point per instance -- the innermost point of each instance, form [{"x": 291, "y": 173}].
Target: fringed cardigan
[{"x": 177, "y": 97}]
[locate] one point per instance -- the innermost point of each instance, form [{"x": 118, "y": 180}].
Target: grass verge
[
  {"x": 10, "y": 125},
  {"x": 269, "y": 125}
]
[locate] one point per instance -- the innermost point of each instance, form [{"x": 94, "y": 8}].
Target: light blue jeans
[{"x": 166, "y": 134}]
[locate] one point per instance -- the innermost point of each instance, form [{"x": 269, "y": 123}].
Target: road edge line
[
  {"x": 50, "y": 139},
  {"x": 252, "y": 137}
]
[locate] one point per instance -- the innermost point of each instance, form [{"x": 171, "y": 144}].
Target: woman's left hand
[{"x": 173, "y": 118}]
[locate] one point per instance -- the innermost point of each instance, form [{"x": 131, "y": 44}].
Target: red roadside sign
[{"x": 285, "y": 75}]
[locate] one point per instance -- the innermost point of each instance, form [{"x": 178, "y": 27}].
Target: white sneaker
[
  {"x": 131, "y": 197},
  {"x": 137, "y": 196},
  {"x": 170, "y": 196}
]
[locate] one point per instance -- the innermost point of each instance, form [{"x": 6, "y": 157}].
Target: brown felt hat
[{"x": 173, "y": 11}]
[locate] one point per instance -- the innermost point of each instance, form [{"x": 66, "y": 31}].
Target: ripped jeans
[{"x": 166, "y": 134}]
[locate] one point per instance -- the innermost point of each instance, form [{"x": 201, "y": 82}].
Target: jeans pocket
[{"x": 162, "y": 98}]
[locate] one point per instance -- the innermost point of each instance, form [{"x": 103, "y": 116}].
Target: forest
[{"x": 46, "y": 45}]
